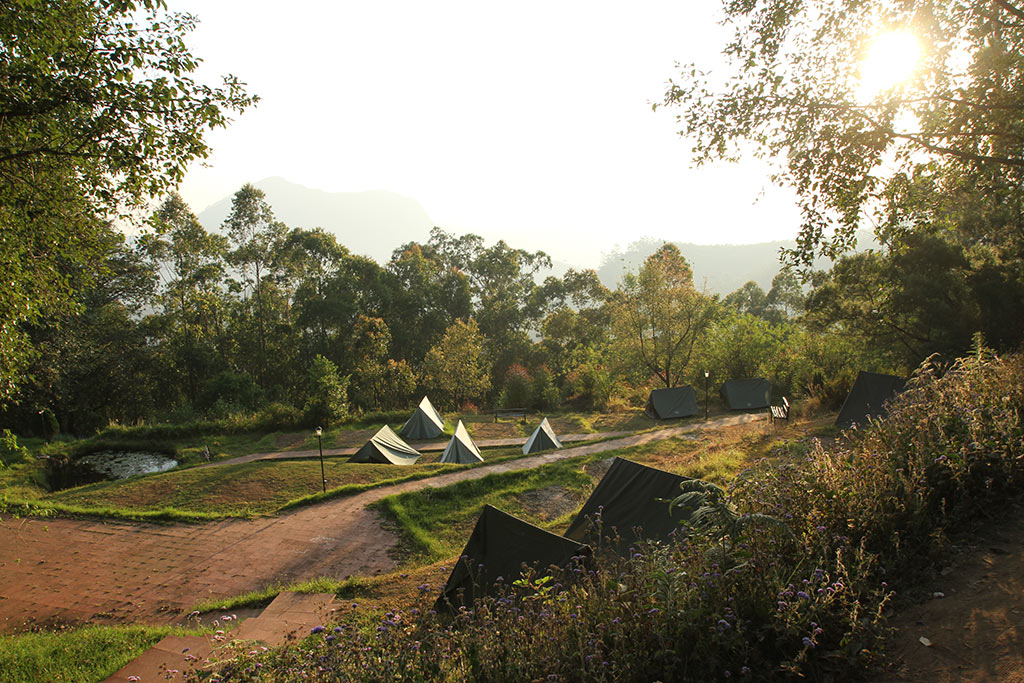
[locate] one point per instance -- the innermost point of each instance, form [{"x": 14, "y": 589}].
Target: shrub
[{"x": 328, "y": 399}]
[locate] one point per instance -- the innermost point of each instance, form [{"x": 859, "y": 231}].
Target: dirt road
[{"x": 63, "y": 570}]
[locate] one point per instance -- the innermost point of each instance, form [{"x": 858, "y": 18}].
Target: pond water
[{"x": 124, "y": 464}]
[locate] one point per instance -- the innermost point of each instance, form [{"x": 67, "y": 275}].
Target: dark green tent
[
  {"x": 867, "y": 398},
  {"x": 425, "y": 423},
  {"x": 387, "y": 448},
  {"x": 498, "y": 548},
  {"x": 627, "y": 499},
  {"x": 542, "y": 439},
  {"x": 747, "y": 394},
  {"x": 461, "y": 450},
  {"x": 666, "y": 404}
]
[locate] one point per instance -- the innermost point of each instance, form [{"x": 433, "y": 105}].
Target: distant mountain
[
  {"x": 722, "y": 268},
  {"x": 375, "y": 223},
  {"x": 370, "y": 223}
]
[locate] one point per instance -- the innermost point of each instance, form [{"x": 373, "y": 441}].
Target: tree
[
  {"x": 257, "y": 236},
  {"x": 658, "y": 316},
  {"x": 99, "y": 111},
  {"x": 455, "y": 368},
  {"x": 946, "y": 145},
  {"x": 190, "y": 262},
  {"x": 328, "y": 393}
]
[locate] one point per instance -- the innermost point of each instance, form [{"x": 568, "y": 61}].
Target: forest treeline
[{"x": 184, "y": 324}]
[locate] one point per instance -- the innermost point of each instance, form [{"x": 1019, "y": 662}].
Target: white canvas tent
[
  {"x": 461, "y": 450},
  {"x": 425, "y": 423},
  {"x": 387, "y": 448},
  {"x": 542, "y": 439}
]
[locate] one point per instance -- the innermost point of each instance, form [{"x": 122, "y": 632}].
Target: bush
[
  {"x": 517, "y": 392},
  {"x": 229, "y": 392}
]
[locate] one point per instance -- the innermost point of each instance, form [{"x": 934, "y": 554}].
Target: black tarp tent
[
  {"x": 665, "y": 404},
  {"x": 387, "y": 448},
  {"x": 460, "y": 449},
  {"x": 542, "y": 439},
  {"x": 747, "y": 394},
  {"x": 867, "y": 397},
  {"x": 627, "y": 498},
  {"x": 425, "y": 423},
  {"x": 502, "y": 544}
]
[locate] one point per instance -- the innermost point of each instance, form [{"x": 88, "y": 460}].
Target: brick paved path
[{"x": 64, "y": 570}]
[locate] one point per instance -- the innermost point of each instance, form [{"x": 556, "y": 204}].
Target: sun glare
[{"x": 890, "y": 61}]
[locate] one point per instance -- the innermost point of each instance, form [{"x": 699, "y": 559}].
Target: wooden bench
[
  {"x": 780, "y": 412},
  {"x": 510, "y": 412}
]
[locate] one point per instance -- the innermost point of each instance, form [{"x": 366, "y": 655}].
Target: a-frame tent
[
  {"x": 675, "y": 402},
  {"x": 867, "y": 398},
  {"x": 502, "y": 544},
  {"x": 627, "y": 500},
  {"x": 387, "y": 448},
  {"x": 461, "y": 450},
  {"x": 425, "y": 423},
  {"x": 747, "y": 394},
  {"x": 542, "y": 439}
]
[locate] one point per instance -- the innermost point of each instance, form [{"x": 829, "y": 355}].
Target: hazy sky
[{"x": 527, "y": 120}]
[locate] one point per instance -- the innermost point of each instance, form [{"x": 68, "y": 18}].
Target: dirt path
[
  {"x": 62, "y": 570},
  {"x": 975, "y": 620},
  {"x": 421, "y": 447}
]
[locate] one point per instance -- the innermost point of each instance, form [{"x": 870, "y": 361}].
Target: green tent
[
  {"x": 497, "y": 549},
  {"x": 425, "y": 423},
  {"x": 461, "y": 450},
  {"x": 387, "y": 448},
  {"x": 747, "y": 394},
  {"x": 542, "y": 439},
  {"x": 867, "y": 398},
  {"x": 676, "y": 402},
  {"x": 629, "y": 503}
]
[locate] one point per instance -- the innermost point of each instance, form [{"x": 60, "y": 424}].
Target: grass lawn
[{"x": 90, "y": 653}]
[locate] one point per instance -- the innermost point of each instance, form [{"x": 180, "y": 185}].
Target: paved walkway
[{"x": 66, "y": 570}]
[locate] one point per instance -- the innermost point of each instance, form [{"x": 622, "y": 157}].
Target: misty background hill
[{"x": 377, "y": 222}]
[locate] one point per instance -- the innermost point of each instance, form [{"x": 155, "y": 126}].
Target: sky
[{"x": 530, "y": 121}]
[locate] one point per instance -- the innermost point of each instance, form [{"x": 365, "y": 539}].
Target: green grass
[
  {"x": 90, "y": 653},
  {"x": 435, "y": 523},
  {"x": 347, "y": 588},
  {"x": 249, "y": 489}
]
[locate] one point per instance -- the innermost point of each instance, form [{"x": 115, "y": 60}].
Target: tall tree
[
  {"x": 658, "y": 316},
  {"x": 98, "y": 110},
  {"x": 796, "y": 91},
  {"x": 191, "y": 266},
  {"x": 257, "y": 236},
  {"x": 456, "y": 367}
]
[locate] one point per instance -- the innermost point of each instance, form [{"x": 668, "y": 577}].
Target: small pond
[{"x": 109, "y": 465}]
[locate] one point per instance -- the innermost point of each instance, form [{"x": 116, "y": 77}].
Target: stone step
[{"x": 290, "y": 616}]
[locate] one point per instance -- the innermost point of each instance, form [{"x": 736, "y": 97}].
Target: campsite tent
[
  {"x": 747, "y": 394},
  {"x": 665, "y": 404},
  {"x": 867, "y": 398},
  {"x": 461, "y": 450},
  {"x": 502, "y": 544},
  {"x": 386, "y": 447},
  {"x": 627, "y": 499},
  {"x": 542, "y": 439},
  {"x": 425, "y": 423}
]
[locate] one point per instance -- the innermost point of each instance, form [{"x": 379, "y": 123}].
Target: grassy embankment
[{"x": 195, "y": 494}]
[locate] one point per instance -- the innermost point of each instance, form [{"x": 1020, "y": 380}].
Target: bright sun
[{"x": 890, "y": 61}]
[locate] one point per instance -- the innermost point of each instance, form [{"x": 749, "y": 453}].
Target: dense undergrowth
[{"x": 787, "y": 576}]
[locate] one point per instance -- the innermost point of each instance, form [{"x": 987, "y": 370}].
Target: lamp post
[
  {"x": 707, "y": 374},
  {"x": 320, "y": 443}
]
